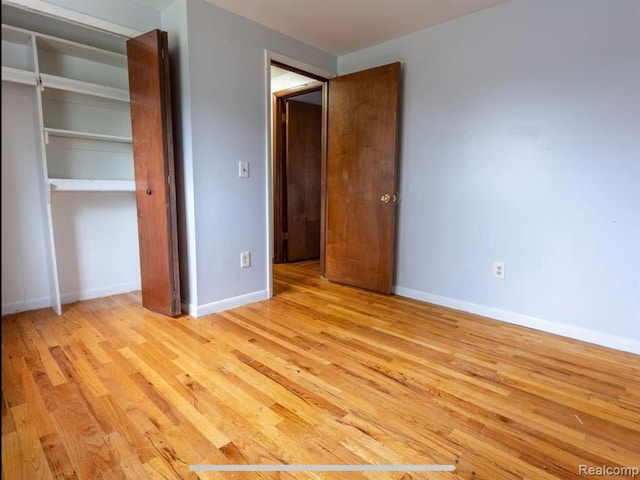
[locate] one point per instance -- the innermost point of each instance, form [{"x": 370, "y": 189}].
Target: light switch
[{"x": 244, "y": 170}]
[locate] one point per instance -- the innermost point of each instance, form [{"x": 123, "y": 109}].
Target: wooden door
[
  {"x": 150, "y": 91},
  {"x": 302, "y": 172},
  {"x": 363, "y": 113}
]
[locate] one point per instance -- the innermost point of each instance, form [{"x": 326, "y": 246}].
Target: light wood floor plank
[{"x": 320, "y": 374}]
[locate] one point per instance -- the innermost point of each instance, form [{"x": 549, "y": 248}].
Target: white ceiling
[{"x": 343, "y": 26}]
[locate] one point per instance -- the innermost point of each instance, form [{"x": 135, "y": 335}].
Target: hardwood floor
[{"x": 320, "y": 374}]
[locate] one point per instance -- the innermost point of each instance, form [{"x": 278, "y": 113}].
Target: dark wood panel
[
  {"x": 361, "y": 168},
  {"x": 150, "y": 91},
  {"x": 303, "y": 148}
]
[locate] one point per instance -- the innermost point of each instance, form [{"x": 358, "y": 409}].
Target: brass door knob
[{"x": 386, "y": 198}]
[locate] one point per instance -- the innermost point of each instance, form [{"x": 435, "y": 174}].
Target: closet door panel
[{"x": 150, "y": 97}]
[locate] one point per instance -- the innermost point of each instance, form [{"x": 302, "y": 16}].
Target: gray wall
[
  {"x": 224, "y": 79},
  {"x": 521, "y": 143}
]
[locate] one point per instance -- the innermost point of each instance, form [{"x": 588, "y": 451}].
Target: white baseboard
[
  {"x": 226, "y": 304},
  {"x": 570, "y": 331},
  {"x": 99, "y": 292},
  {"x": 26, "y": 305},
  {"x": 71, "y": 297}
]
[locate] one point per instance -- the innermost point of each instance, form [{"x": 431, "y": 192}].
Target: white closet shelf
[
  {"x": 57, "y": 132},
  {"x": 19, "y": 76},
  {"x": 66, "y": 47},
  {"x": 87, "y": 185},
  {"x": 16, "y": 35},
  {"x": 86, "y": 88}
]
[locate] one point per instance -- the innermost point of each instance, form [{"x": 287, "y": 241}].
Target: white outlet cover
[{"x": 499, "y": 270}]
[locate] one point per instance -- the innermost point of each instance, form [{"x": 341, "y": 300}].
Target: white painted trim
[
  {"x": 269, "y": 170},
  {"x": 73, "y": 16},
  {"x": 197, "y": 311},
  {"x": 100, "y": 292},
  {"x": 25, "y": 306},
  {"x": 276, "y": 57},
  {"x": 570, "y": 331}
]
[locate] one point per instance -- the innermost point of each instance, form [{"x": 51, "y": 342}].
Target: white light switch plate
[{"x": 243, "y": 170}]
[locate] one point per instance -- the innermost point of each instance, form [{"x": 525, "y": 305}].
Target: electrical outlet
[
  {"x": 245, "y": 259},
  {"x": 499, "y": 270},
  {"x": 243, "y": 169}
]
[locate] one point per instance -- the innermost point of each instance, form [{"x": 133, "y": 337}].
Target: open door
[
  {"x": 302, "y": 180},
  {"x": 363, "y": 118},
  {"x": 150, "y": 92}
]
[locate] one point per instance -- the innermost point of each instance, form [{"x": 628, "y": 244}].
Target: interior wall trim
[
  {"x": 569, "y": 331},
  {"x": 197, "y": 311}
]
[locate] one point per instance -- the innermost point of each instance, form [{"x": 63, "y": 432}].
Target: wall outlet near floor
[
  {"x": 499, "y": 270},
  {"x": 245, "y": 259}
]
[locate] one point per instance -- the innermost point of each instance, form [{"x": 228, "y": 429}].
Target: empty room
[{"x": 342, "y": 239}]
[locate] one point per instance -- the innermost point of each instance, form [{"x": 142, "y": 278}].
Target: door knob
[{"x": 386, "y": 198}]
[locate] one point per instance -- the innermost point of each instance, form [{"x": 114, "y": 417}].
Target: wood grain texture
[
  {"x": 150, "y": 91},
  {"x": 304, "y": 136},
  {"x": 362, "y": 157},
  {"x": 320, "y": 374}
]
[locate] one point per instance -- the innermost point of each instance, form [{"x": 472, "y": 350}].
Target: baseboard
[
  {"x": 576, "y": 333},
  {"x": 25, "y": 306},
  {"x": 99, "y": 292},
  {"x": 227, "y": 303}
]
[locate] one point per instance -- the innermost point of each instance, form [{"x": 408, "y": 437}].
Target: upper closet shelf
[
  {"x": 78, "y": 86},
  {"x": 16, "y": 35},
  {"x": 66, "y": 47},
  {"x": 19, "y": 76},
  {"x": 91, "y": 185},
  {"x": 57, "y": 132}
]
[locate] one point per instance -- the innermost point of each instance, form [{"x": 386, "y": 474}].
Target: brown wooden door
[
  {"x": 150, "y": 92},
  {"x": 363, "y": 112},
  {"x": 303, "y": 149}
]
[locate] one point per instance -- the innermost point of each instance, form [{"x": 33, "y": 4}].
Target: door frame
[
  {"x": 273, "y": 58},
  {"x": 278, "y": 163}
]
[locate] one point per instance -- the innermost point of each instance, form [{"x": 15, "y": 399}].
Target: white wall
[
  {"x": 25, "y": 272},
  {"x": 227, "y": 83},
  {"x": 521, "y": 143}
]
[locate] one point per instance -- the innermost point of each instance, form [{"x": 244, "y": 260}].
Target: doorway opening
[
  {"x": 297, "y": 164},
  {"x": 359, "y": 161}
]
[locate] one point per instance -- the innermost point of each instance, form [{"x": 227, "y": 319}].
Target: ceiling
[{"x": 343, "y": 26}]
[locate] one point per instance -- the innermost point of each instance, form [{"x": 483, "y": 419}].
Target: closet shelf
[
  {"x": 16, "y": 35},
  {"x": 66, "y": 47},
  {"x": 86, "y": 88},
  {"x": 57, "y": 132},
  {"x": 19, "y": 76},
  {"x": 88, "y": 185}
]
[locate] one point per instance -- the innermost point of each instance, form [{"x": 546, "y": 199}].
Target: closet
[{"x": 69, "y": 156}]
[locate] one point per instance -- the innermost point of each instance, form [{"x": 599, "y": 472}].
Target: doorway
[
  {"x": 297, "y": 129},
  {"x": 358, "y": 173}
]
